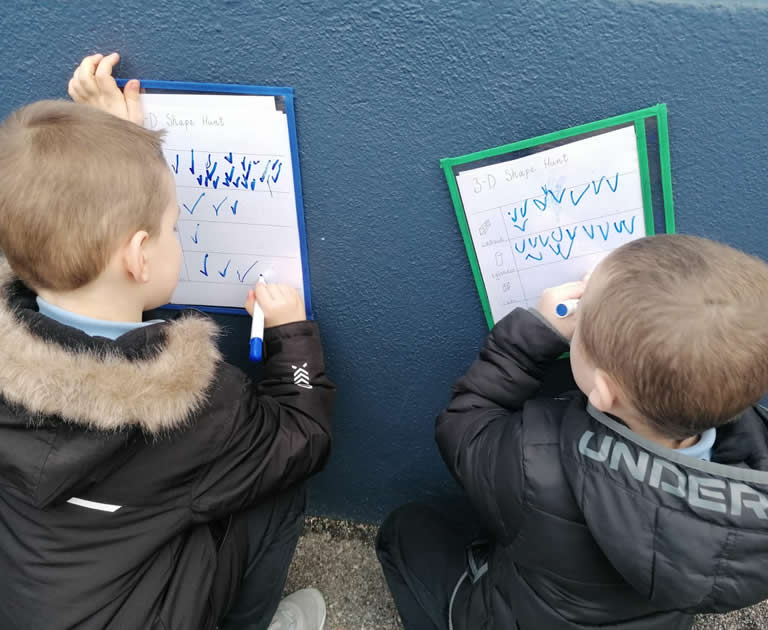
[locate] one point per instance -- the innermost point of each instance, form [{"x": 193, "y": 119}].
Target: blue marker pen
[
  {"x": 257, "y": 329},
  {"x": 564, "y": 309}
]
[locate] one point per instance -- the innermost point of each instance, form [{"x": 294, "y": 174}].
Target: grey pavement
[{"x": 338, "y": 558}]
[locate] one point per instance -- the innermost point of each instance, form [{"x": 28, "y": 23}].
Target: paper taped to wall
[
  {"x": 550, "y": 216},
  {"x": 230, "y": 156}
]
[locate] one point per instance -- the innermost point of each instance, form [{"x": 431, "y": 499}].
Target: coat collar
[{"x": 154, "y": 377}]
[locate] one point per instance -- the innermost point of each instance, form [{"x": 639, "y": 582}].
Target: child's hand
[
  {"x": 549, "y": 300},
  {"x": 93, "y": 84},
  {"x": 281, "y": 304}
]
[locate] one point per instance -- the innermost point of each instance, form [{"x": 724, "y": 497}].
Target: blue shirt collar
[
  {"x": 703, "y": 448},
  {"x": 89, "y": 325}
]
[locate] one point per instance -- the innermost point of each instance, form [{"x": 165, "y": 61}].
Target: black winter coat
[
  {"x": 124, "y": 464},
  {"x": 594, "y": 526}
]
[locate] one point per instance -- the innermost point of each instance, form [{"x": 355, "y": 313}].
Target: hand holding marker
[
  {"x": 271, "y": 305},
  {"x": 568, "y": 307},
  {"x": 557, "y": 304}
]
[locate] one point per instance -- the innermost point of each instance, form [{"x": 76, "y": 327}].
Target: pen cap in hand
[
  {"x": 257, "y": 346},
  {"x": 566, "y": 308}
]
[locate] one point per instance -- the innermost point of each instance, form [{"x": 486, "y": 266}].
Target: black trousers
[
  {"x": 422, "y": 550},
  {"x": 274, "y": 528}
]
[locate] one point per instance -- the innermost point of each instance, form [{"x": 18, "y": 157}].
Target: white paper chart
[
  {"x": 231, "y": 160},
  {"x": 550, "y": 217}
]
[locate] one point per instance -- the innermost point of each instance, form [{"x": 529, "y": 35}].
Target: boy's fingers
[
  {"x": 574, "y": 295},
  {"x": 278, "y": 291},
  {"x": 88, "y": 65},
  {"x": 103, "y": 72},
  {"x": 569, "y": 290},
  {"x": 104, "y": 67},
  {"x": 262, "y": 293},
  {"x": 72, "y": 91},
  {"x": 85, "y": 83},
  {"x": 272, "y": 290},
  {"x": 133, "y": 102},
  {"x": 84, "y": 75},
  {"x": 575, "y": 289}
]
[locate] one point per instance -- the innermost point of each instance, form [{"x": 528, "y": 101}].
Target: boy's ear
[
  {"x": 605, "y": 393},
  {"x": 135, "y": 258}
]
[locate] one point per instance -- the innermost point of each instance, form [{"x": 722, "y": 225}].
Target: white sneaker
[{"x": 302, "y": 610}]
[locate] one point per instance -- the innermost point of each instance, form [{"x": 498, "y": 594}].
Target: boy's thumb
[{"x": 133, "y": 102}]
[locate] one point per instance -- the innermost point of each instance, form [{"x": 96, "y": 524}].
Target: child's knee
[{"x": 401, "y": 523}]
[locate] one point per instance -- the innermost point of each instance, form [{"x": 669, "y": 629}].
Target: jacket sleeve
[
  {"x": 281, "y": 432},
  {"x": 480, "y": 432}
]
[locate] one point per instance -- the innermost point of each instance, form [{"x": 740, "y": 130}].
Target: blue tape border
[{"x": 259, "y": 90}]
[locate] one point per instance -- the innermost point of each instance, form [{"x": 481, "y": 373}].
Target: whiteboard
[
  {"x": 230, "y": 156},
  {"x": 548, "y": 218}
]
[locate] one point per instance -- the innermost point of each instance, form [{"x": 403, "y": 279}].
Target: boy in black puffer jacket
[
  {"x": 630, "y": 505},
  {"x": 144, "y": 482}
]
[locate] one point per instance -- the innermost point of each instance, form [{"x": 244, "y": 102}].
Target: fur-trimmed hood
[{"x": 153, "y": 378}]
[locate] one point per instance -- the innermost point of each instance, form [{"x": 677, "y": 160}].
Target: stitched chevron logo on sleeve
[{"x": 301, "y": 376}]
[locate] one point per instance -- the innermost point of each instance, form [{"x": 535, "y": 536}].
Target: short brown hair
[
  {"x": 681, "y": 324},
  {"x": 74, "y": 182}
]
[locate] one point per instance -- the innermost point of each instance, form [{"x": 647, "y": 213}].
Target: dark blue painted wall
[{"x": 386, "y": 88}]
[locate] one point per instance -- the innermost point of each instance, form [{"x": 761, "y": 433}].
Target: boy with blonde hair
[
  {"x": 630, "y": 505},
  {"x": 144, "y": 482}
]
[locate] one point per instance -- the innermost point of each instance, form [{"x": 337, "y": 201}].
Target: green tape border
[
  {"x": 453, "y": 187},
  {"x": 637, "y": 118}
]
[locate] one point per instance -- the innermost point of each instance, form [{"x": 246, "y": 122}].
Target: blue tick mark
[
  {"x": 279, "y": 165},
  {"x": 242, "y": 277},
  {"x": 176, "y": 167},
  {"x": 243, "y": 163},
  {"x": 264, "y": 172},
  {"x": 216, "y": 208},
  {"x": 200, "y": 180},
  {"x": 521, "y": 227},
  {"x": 197, "y": 230},
  {"x": 234, "y": 207},
  {"x": 620, "y": 227},
  {"x": 204, "y": 270},
  {"x": 596, "y": 187},
  {"x": 547, "y": 191},
  {"x": 558, "y": 251},
  {"x": 223, "y": 272},
  {"x": 192, "y": 209},
  {"x": 228, "y": 158},
  {"x": 192, "y": 160},
  {"x": 575, "y": 201}
]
